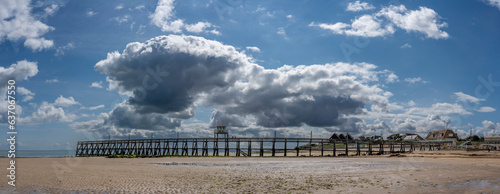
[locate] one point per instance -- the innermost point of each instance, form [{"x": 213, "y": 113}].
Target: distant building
[
  {"x": 412, "y": 137},
  {"x": 334, "y": 137},
  {"x": 446, "y": 134},
  {"x": 377, "y": 137},
  {"x": 395, "y": 137},
  {"x": 340, "y": 137},
  {"x": 372, "y": 138},
  {"x": 492, "y": 138}
]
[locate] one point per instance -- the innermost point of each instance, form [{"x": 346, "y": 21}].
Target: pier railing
[{"x": 248, "y": 147}]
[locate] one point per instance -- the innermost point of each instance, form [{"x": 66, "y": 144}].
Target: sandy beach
[{"x": 418, "y": 172}]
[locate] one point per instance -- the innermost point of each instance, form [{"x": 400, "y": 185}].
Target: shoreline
[{"x": 426, "y": 171}]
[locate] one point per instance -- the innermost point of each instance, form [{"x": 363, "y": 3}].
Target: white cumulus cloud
[
  {"x": 96, "y": 85},
  {"x": 49, "y": 113},
  {"x": 167, "y": 77},
  {"x": 28, "y": 95},
  {"x": 164, "y": 17},
  {"x": 494, "y": 3},
  {"x": 424, "y": 20},
  {"x": 18, "y": 23},
  {"x": 65, "y": 102}
]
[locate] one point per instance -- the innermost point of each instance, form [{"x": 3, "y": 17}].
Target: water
[
  {"x": 476, "y": 184},
  {"x": 40, "y": 153}
]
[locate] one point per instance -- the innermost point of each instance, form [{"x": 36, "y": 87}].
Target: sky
[{"x": 91, "y": 70}]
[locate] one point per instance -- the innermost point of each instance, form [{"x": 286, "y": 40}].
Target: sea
[{"x": 40, "y": 153}]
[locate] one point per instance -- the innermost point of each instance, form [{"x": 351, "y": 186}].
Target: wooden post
[
  {"x": 297, "y": 147},
  {"x": 261, "y": 148},
  {"x": 185, "y": 149},
  {"x": 370, "y": 148},
  {"x": 216, "y": 147},
  {"x": 238, "y": 147},
  {"x": 382, "y": 148},
  {"x": 143, "y": 148},
  {"x": 358, "y": 149},
  {"x": 310, "y": 144},
  {"x": 334, "y": 148},
  {"x": 274, "y": 143},
  {"x": 204, "y": 151},
  {"x": 194, "y": 148},
  {"x": 150, "y": 147},
  {"x": 250, "y": 147},
  {"x": 176, "y": 148},
  {"x": 346, "y": 148},
  {"x": 321, "y": 147},
  {"x": 285, "y": 147},
  {"x": 166, "y": 148},
  {"x": 226, "y": 147}
]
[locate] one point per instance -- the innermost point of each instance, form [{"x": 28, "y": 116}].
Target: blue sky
[{"x": 256, "y": 66}]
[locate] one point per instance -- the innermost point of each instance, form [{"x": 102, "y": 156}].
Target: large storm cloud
[{"x": 168, "y": 76}]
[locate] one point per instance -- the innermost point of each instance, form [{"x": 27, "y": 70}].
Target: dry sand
[{"x": 419, "y": 172}]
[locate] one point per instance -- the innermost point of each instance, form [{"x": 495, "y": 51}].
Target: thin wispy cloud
[
  {"x": 486, "y": 109},
  {"x": 96, "y": 85},
  {"x": 467, "y": 98},
  {"x": 359, "y": 6},
  {"x": 415, "y": 80},
  {"x": 253, "y": 49},
  {"x": 90, "y": 13},
  {"x": 118, "y": 7},
  {"x": 51, "y": 81},
  {"x": 406, "y": 45}
]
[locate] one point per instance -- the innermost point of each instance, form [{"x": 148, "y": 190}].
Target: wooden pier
[{"x": 247, "y": 147}]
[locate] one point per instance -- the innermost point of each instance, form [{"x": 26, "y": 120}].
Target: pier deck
[{"x": 247, "y": 147}]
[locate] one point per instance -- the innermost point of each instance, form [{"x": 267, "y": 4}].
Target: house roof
[
  {"x": 334, "y": 136},
  {"x": 412, "y": 137},
  {"x": 341, "y": 136},
  {"x": 442, "y": 134}
]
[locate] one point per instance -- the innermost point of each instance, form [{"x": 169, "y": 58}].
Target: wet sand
[{"x": 418, "y": 172}]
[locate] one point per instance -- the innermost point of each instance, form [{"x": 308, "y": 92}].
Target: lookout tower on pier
[{"x": 220, "y": 130}]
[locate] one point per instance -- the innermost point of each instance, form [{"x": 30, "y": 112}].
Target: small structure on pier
[{"x": 220, "y": 130}]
